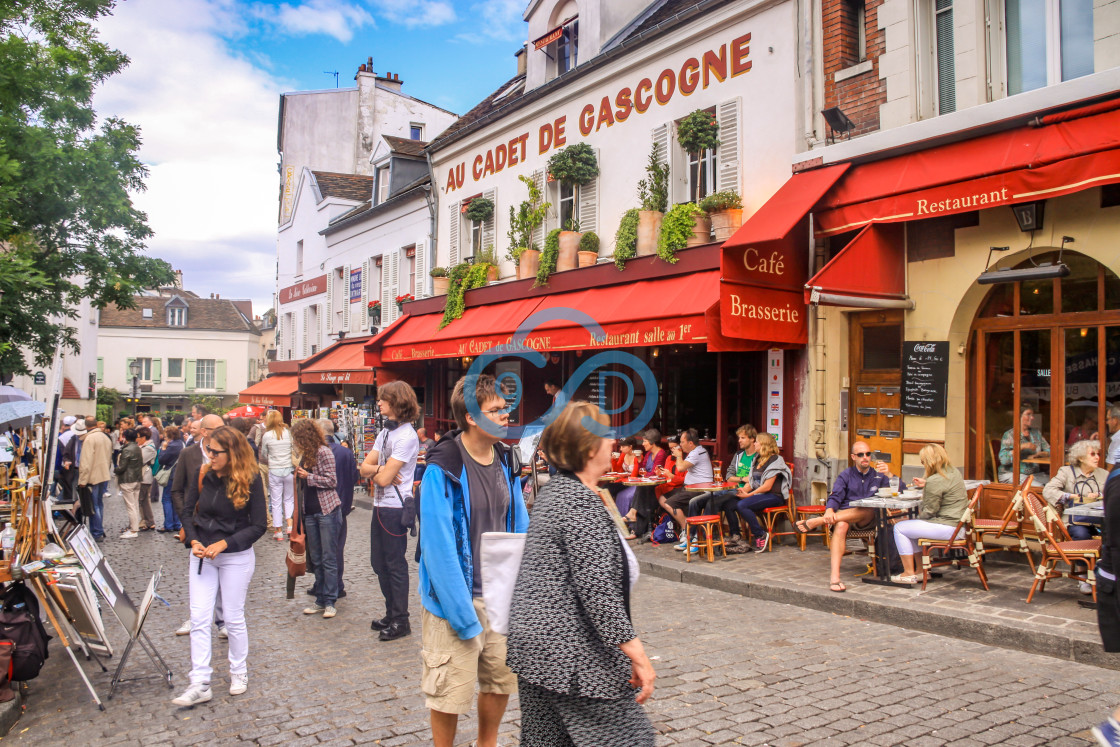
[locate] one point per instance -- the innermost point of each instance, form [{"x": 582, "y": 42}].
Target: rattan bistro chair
[
  {"x": 1011, "y": 523},
  {"x": 961, "y": 539},
  {"x": 804, "y": 513},
  {"x": 1057, "y": 547}
]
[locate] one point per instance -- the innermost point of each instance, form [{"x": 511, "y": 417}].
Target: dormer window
[
  {"x": 382, "y": 184},
  {"x": 176, "y": 317},
  {"x": 566, "y": 48},
  {"x": 561, "y": 44},
  {"x": 145, "y": 313}
]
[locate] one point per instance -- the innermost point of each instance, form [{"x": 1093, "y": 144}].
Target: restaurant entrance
[
  {"x": 876, "y": 378},
  {"x": 1034, "y": 372}
]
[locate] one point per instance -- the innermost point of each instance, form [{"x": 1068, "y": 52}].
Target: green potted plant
[
  {"x": 463, "y": 277},
  {"x": 523, "y": 220},
  {"x": 549, "y": 257},
  {"x": 568, "y": 259},
  {"x": 726, "y": 211},
  {"x": 575, "y": 165},
  {"x": 440, "y": 281},
  {"x": 588, "y": 249},
  {"x": 480, "y": 209},
  {"x": 698, "y": 132},
  {"x": 677, "y": 230},
  {"x": 488, "y": 257},
  {"x": 626, "y": 238},
  {"x": 653, "y": 193}
]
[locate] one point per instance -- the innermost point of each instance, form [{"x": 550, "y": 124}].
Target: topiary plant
[
  {"x": 717, "y": 201},
  {"x": 480, "y": 209},
  {"x": 589, "y": 242},
  {"x": 549, "y": 256},
  {"x": 464, "y": 277},
  {"x": 575, "y": 164},
  {"x": 698, "y": 132},
  {"x": 626, "y": 238},
  {"x": 653, "y": 191},
  {"x": 676, "y": 230}
]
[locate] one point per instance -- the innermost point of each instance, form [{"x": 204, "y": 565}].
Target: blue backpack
[{"x": 665, "y": 532}]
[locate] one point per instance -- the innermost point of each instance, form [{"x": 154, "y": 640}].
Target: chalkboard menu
[{"x": 925, "y": 378}]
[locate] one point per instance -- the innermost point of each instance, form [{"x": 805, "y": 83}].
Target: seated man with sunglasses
[{"x": 856, "y": 482}]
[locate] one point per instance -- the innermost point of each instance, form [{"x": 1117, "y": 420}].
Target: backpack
[
  {"x": 19, "y": 623},
  {"x": 665, "y": 532}
]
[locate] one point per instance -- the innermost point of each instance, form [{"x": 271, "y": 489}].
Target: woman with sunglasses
[{"x": 223, "y": 515}]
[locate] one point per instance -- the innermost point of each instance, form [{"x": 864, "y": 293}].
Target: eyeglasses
[
  {"x": 216, "y": 452},
  {"x": 861, "y": 454},
  {"x": 499, "y": 411}
]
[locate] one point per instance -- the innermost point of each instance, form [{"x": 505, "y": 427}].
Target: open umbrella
[
  {"x": 20, "y": 413},
  {"x": 11, "y": 394},
  {"x": 247, "y": 411}
]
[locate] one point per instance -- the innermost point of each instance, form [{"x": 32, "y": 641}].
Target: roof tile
[
  {"x": 219, "y": 314},
  {"x": 347, "y": 186}
]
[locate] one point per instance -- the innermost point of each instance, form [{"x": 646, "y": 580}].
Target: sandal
[
  {"x": 802, "y": 526},
  {"x": 833, "y": 584}
]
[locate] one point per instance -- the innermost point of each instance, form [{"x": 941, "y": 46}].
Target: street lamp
[{"x": 134, "y": 369}]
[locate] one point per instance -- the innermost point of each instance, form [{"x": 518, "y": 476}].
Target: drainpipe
[
  {"x": 817, "y": 357},
  {"x": 433, "y": 204}
]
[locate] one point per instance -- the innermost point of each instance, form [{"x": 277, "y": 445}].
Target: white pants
[
  {"x": 232, "y": 573},
  {"x": 282, "y": 494},
  {"x": 906, "y": 532}
]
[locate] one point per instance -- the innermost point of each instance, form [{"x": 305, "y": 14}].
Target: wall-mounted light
[
  {"x": 656, "y": 352},
  {"x": 838, "y": 123},
  {"x": 1047, "y": 271},
  {"x": 1029, "y": 215}
]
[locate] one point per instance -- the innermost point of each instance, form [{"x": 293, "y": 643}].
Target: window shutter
[
  {"x": 538, "y": 232},
  {"x": 395, "y": 279},
  {"x": 453, "y": 221},
  {"x": 661, "y": 141},
  {"x": 361, "y": 315},
  {"x": 100, "y": 370},
  {"x": 157, "y": 370},
  {"x": 220, "y": 375},
  {"x": 728, "y": 116},
  {"x": 304, "y": 347},
  {"x": 946, "y": 70},
  {"x": 388, "y": 308},
  {"x": 127, "y": 374},
  {"x": 189, "y": 379},
  {"x": 488, "y": 241},
  {"x": 345, "y": 305},
  {"x": 589, "y": 202},
  {"x": 330, "y": 306},
  {"x": 421, "y": 259}
]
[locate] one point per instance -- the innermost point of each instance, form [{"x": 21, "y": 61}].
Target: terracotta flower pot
[
  {"x": 530, "y": 261},
  {"x": 726, "y": 222},
  {"x": 568, "y": 258},
  {"x": 440, "y": 286},
  {"x": 701, "y": 231},
  {"x": 649, "y": 228},
  {"x": 492, "y": 274},
  {"x": 587, "y": 259}
]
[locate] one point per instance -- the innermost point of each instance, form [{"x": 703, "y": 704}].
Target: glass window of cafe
[{"x": 1035, "y": 379}]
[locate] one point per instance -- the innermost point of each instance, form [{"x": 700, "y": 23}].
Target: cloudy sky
[{"x": 204, "y": 85}]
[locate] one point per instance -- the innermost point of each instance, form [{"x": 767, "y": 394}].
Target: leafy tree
[
  {"x": 107, "y": 395},
  {"x": 68, "y": 229}
]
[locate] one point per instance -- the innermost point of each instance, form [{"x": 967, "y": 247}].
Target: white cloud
[
  {"x": 335, "y": 18},
  {"x": 413, "y": 13}
]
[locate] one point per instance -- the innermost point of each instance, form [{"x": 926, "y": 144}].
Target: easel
[
  {"x": 47, "y": 601},
  {"x": 137, "y": 635}
]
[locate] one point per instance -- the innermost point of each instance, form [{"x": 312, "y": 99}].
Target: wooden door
[{"x": 876, "y": 383}]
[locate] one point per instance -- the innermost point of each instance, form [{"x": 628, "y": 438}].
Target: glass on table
[{"x": 894, "y": 485}]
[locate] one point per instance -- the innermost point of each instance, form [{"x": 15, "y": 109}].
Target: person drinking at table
[
  {"x": 692, "y": 459},
  {"x": 856, "y": 482},
  {"x": 944, "y": 499},
  {"x": 628, "y": 461},
  {"x": 643, "y": 500},
  {"x": 1081, "y": 481},
  {"x": 1031, "y": 444},
  {"x": 770, "y": 480}
]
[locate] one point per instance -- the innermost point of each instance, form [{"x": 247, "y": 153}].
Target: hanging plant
[
  {"x": 373, "y": 308},
  {"x": 549, "y": 256},
  {"x": 575, "y": 164},
  {"x": 464, "y": 277},
  {"x": 698, "y": 132},
  {"x": 676, "y": 230},
  {"x": 403, "y": 299},
  {"x": 626, "y": 238},
  {"x": 480, "y": 209}
]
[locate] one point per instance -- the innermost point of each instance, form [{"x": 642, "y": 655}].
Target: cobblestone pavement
[{"x": 732, "y": 670}]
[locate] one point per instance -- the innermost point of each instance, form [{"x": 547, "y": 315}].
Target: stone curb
[
  {"x": 1020, "y": 636},
  {"x": 10, "y": 712}
]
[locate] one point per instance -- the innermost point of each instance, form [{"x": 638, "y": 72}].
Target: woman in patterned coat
[{"x": 581, "y": 670}]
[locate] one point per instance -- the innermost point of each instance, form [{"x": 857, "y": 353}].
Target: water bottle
[{"x": 8, "y": 541}]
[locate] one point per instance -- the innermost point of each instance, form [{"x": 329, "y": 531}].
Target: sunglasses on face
[
  {"x": 215, "y": 452},
  {"x": 861, "y": 454}
]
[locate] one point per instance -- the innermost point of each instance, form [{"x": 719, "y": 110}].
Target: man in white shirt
[
  {"x": 1113, "y": 421},
  {"x": 697, "y": 468}
]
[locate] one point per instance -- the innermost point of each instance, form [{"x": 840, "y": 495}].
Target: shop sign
[
  {"x": 772, "y": 264},
  {"x": 775, "y": 397},
  {"x": 338, "y": 377},
  {"x": 754, "y": 313},
  {"x": 40, "y": 378},
  {"x": 312, "y": 287},
  {"x": 356, "y": 285}
]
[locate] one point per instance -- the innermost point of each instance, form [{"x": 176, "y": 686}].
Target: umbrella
[
  {"x": 11, "y": 394},
  {"x": 247, "y": 411},
  {"x": 20, "y": 413}
]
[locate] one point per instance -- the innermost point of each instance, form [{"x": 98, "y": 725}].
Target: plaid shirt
[{"x": 323, "y": 478}]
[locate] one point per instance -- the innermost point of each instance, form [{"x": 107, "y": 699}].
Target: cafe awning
[
  {"x": 341, "y": 363},
  {"x": 870, "y": 272},
  {"x": 776, "y": 219},
  {"x": 275, "y": 391}
]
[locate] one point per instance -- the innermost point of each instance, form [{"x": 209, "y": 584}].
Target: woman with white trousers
[
  {"x": 944, "y": 499},
  {"x": 223, "y": 515},
  {"x": 276, "y": 453}
]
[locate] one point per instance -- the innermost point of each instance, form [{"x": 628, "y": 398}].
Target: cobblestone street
[{"x": 731, "y": 670}]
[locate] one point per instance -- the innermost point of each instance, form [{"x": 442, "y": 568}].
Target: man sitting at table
[
  {"x": 856, "y": 482},
  {"x": 692, "y": 459}
]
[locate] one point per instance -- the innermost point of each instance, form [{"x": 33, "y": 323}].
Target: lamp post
[{"x": 134, "y": 369}]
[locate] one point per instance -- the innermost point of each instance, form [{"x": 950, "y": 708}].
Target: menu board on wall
[{"x": 925, "y": 378}]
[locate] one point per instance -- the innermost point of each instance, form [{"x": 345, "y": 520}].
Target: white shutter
[
  {"x": 388, "y": 308},
  {"x": 489, "y": 223},
  {"x": 421, "y": 261},
  {"x": 395, "y": 279},
  {"x": 453, "y": 220},
  {"x": 330, "y": 302},
  {"x": 589, "y": 202},
  {"x": 538, "y": 232},
  {"x": 728, "y": 115},
  {"x": 304, "y": 348},
  {"x": 346, "y": 298}
]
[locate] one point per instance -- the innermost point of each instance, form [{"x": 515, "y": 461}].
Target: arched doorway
[{"x": 1037, "y": 344}]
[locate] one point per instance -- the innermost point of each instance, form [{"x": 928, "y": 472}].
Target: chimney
[
  {"x": 392, "y": 81},
  {"x": 365, "y": 67},
  {"x": 179, "y": 279},
  {"x": 522, "y": 59}
]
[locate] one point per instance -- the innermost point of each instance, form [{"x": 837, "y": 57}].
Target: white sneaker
[
  {"x": 312, "y": 610},
  {"x": 222, "y": 632},
  {"x": 238, "y": 683},
  {"x": 184, "y": 629},
  {"x": 681, "y": 547},
  {"x": 329, "y": 612},
  {"x": 128, "y": 534},
  {"x": 1086, "y": 587},
  {"x": 194, "y": 695}
]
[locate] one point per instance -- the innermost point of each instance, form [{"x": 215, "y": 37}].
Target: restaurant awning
[
  {"x": 776, "y": 219},
  {"x": 1056, "y": 155},
  {"x": 341, "y": 363},
  {"x": 870, "y": 272},
  {"x": 275, "y": 391}
]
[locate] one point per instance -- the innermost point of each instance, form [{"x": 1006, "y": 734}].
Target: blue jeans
[
  {"x": 322, "y": 548},
  {"x": 748, "y": 506},
  {"x": 97, "y": 495},
  {"x": 171, "y": 520},
  {"x": 1080, "y": 531}
]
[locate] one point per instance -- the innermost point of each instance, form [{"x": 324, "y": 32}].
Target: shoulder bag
[
  {"x": 500, "y": 562},
  {"x": 296, "y": 558}
]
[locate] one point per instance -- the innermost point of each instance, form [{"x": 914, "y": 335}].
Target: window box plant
[
  {"x": 440, "y": 281},
  {"x": 523, "y": 220},
  {"x": 588, "y": 249},
  {"x": 480, "y": 209},
  {"x": 726, "y": 211},
  {"x": 653, "y": 193},
  {"x": 678, "y": 230},
  {"x": 487, "y": 257},
  {"x": 402, "y": 300},
  {"x": 373, "y": 308}
]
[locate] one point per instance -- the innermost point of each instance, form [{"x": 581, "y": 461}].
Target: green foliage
[
  {"x": 211, "y": 403},
  {"x": 107, "y": 395},
  {"x": 486, "y": 256},
  {"x": 480, "y": 209},
  {"x": 549, "y": 256},
  {"x": 65, "y": 181},
  {"x": 589, "y": 242},
  {"x": 626, "y": 238},
  {"x": 698, "y": 132},
  {"x": 438, "y": 272},
  {"x": 653, "y": 191},
  {"x": 105, "y": 413},
  {"x": 717, "y": 201},
  {"x": 676, "y": 230},
  {"x": 524, "y": 220},
  {"x": 464, "y": 277},
  {"x": 572, "y": 224},
  {"x": 575, "y": 164}
]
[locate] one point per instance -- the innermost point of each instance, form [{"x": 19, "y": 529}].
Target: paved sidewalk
[{"x": 1053, "y": 624}]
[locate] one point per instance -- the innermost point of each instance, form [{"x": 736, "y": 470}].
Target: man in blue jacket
[{"x": 471, "y": 486}]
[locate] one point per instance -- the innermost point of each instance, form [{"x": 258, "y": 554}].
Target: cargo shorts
[{"x": 452, "y": 666}]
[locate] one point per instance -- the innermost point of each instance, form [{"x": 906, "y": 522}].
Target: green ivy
[
  {"x": 626, "y": 238},
  {"x": 453, "y": 306},
  {"x": 676, "y": 230},
  {"x": 548, "y": 259},
  {"x": 575, "y": 164}
]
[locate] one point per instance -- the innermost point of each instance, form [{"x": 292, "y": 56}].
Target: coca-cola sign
[{"x": 312, "y": 287}]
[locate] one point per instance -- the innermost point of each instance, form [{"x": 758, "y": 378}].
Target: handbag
[
  {"x": 296, "y": 557},
  {"x": 500, "y": 562},
  {"x": 163, "y": 476}
]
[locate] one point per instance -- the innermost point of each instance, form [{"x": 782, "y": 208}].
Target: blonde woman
[
  {"x": 944, "y": 499},
  {"x": 770, "y": 482},
  {"x": 276, "y": 453}
]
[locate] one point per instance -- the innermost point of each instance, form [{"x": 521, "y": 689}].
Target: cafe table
[
  {"x": 707, "y": 487},
  {"x": 613, "y": 476},
  {"x": 882, "y": 521},
  {"x": 645, "y": 481}
]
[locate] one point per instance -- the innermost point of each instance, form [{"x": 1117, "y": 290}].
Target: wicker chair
[
  {"x": 770, "y": 518},
  {"x": 708, "y": 525},
  {"x": 1057, "y": 547},
  {"x": 804, "y": 513},
  {"x": 961, "y": 539},
  {"x": 1012, "y": 524}
]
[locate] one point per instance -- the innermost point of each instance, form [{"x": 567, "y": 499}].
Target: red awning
[
  {"x": 1062, "y": 156},
  {"x": 341, "y": 363},
  {"x": 275, "y": 391},
  {"x": 870, "y": 271},
  {"x": 793, "y": 200},
  {"x": 479, "y": 329}
]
